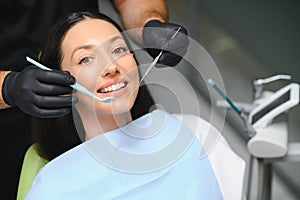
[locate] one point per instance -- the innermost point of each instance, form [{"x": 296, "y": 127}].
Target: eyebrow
[{"x": 89, "y": 46}]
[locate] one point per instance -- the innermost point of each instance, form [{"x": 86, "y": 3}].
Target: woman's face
[{"x": 96, "y": 54}]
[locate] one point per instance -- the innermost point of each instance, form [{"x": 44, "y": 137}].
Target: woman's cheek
[{"x": 87, "y": 77}]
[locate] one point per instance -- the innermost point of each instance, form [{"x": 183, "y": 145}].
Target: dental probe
[
  {"x": 156, "y": 59},
  {"x": 249, "y": 129},
  {"x": 212, "y": 83},
  {"x": 76, "y": 86}
]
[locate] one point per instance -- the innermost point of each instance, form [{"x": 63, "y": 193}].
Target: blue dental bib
[{"x": 153, "y": 157}]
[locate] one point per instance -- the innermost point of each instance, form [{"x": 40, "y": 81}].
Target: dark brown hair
[{"x": 57, "y": 135}]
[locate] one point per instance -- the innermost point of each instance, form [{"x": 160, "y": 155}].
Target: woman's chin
[
  {"x": 114, "y": 108},
  {"x": 121, "y": 104}
]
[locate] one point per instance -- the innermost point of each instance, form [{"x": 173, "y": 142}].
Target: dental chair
[
  {"x": 229, "y": 168},
  {"x": 32, "y": 163}
]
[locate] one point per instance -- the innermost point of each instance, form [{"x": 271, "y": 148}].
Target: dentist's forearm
[
  {"x": 2, "y": 77},
  {"x": 136, "y": 13}
]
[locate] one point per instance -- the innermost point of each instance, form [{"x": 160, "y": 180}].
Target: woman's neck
[{"x": 95, "y": 125}]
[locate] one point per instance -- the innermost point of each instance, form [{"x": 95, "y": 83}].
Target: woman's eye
[
  {"x": 120, "y": 50},
  {"x": 85, "y": 60}
]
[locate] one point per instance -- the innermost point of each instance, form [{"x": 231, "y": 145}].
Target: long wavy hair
[{"x": 57, "y": 135}]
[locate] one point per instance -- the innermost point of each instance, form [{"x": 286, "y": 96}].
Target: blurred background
[{"x": 246, "y": 40}]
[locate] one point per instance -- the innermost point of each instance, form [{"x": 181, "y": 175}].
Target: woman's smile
[{"x": 113, "y": 89}]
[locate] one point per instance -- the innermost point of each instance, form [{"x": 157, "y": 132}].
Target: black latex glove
[
  {"x": 157, "y": 36},
  {"x": 38, "y": 92}
]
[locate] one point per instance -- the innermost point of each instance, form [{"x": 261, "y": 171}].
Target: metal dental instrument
[
  {"x": 156, "y": 59},
  {"x": 249, "y": 129},
  {"x": 212, "y": 83},
  {"x": 76, "y": 86}
]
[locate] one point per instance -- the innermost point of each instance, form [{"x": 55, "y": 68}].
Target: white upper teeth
[{"x": 113, "y": 87}]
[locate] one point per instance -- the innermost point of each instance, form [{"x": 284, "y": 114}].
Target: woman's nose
[{"x": 111, "y": 70}]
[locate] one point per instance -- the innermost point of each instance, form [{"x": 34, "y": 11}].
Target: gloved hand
[
  {"x": 157, "y": 36},
  {"x": 38, "y": 92}
]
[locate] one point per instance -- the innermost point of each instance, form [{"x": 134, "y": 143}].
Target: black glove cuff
[
  {"x": 152, "y": 23},
  {"x": 8, "y": 83}
]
